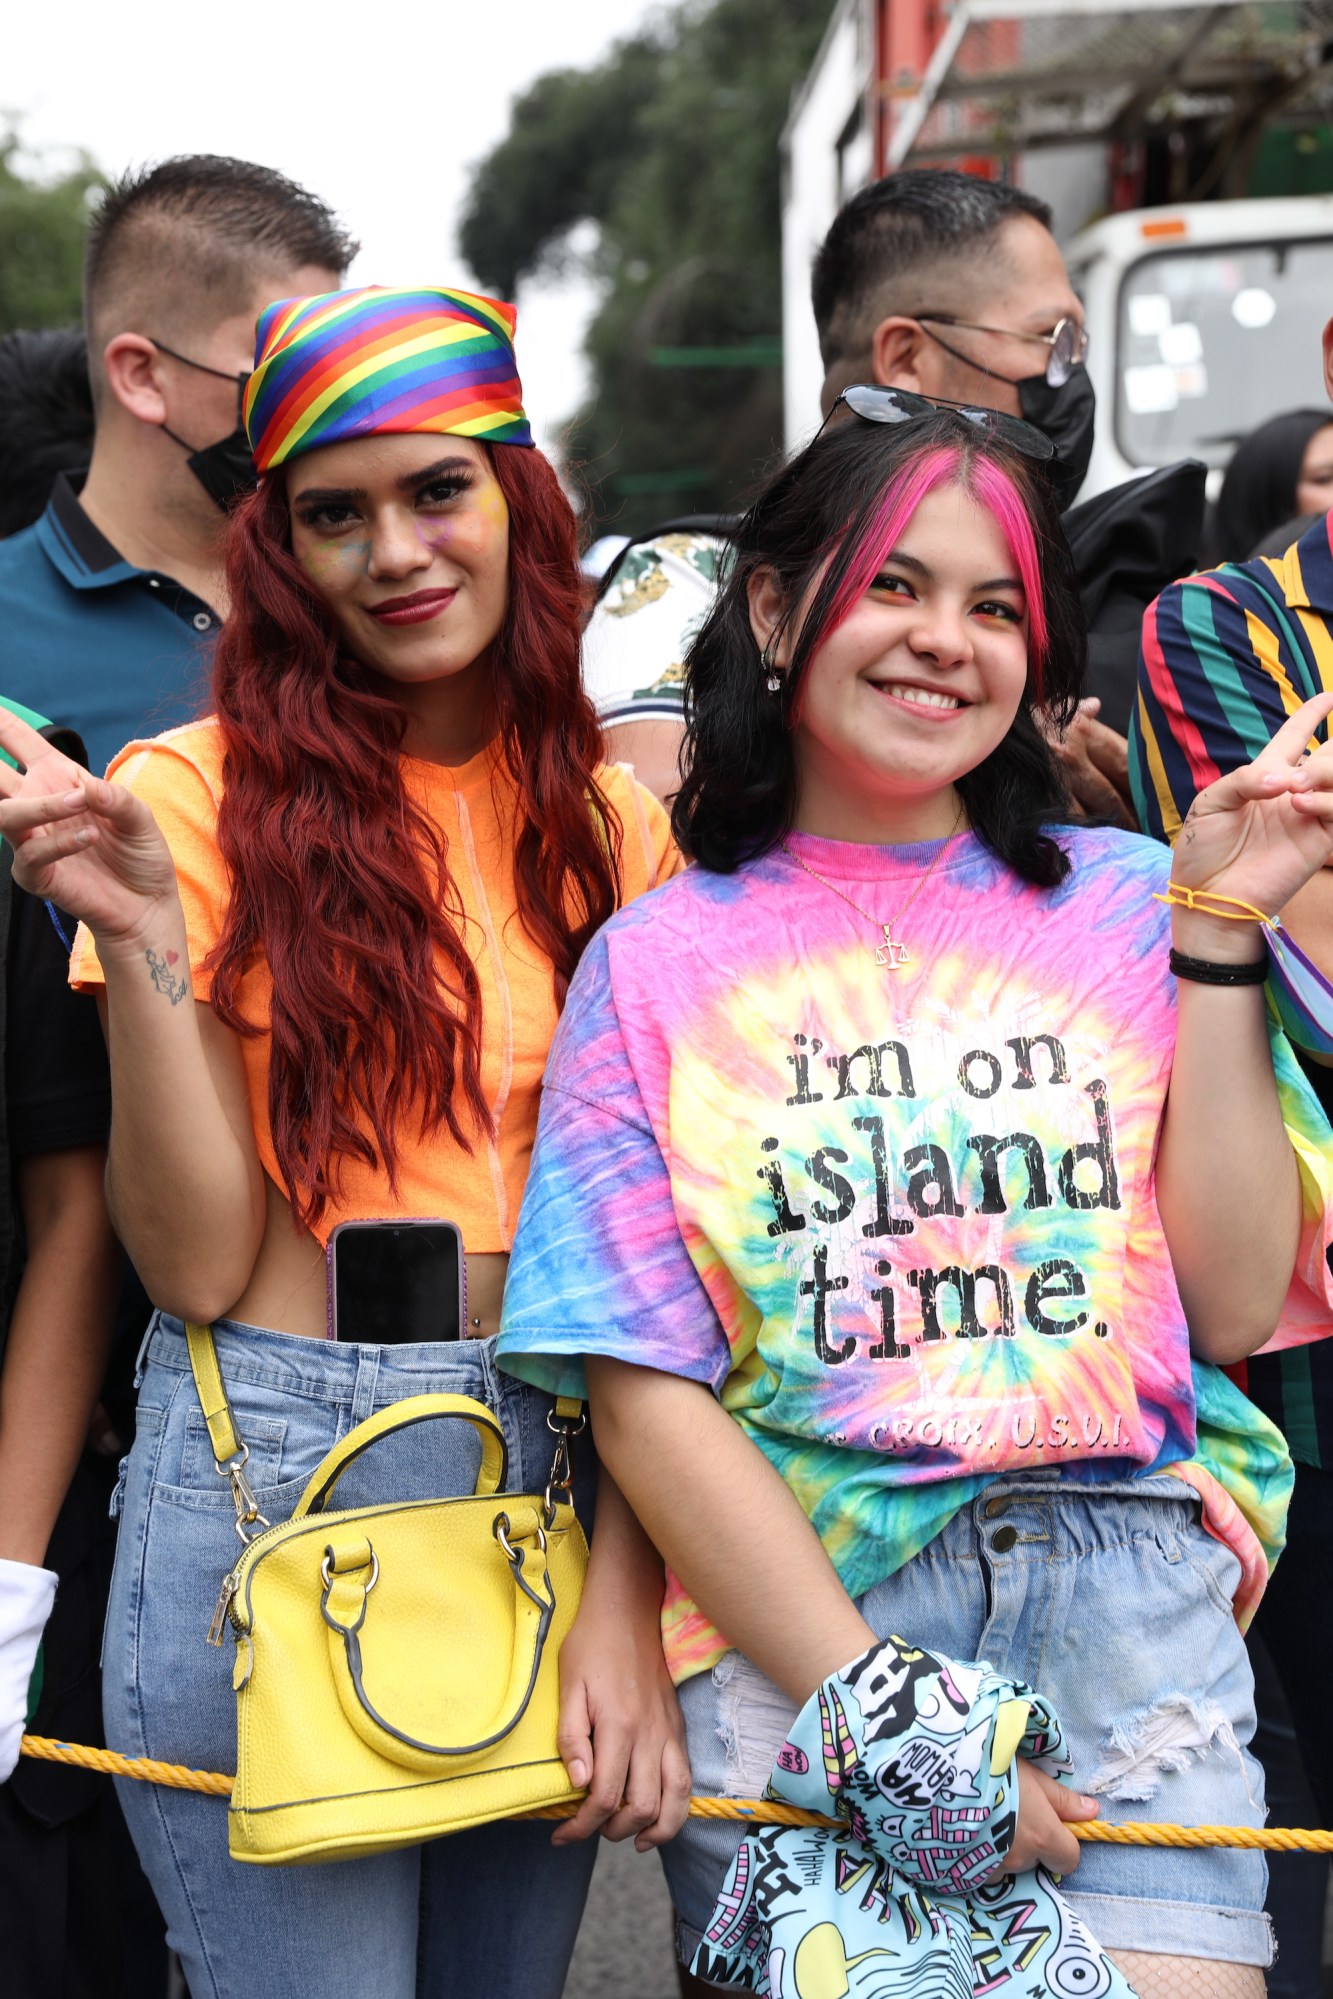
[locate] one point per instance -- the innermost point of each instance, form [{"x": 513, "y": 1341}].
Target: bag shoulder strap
[
  {"x": 232, "y": 1453},
  {"x": 230, "y": 1449},
  {"x": 222, "y": 1432}
]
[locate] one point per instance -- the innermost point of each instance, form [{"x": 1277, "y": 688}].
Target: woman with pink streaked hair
[{"x": 941, "y": 1156}]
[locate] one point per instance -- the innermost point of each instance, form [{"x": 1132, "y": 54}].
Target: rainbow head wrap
[{"x": 360, "y": 363}]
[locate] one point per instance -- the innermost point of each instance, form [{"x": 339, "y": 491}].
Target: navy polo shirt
[{"x": 95, "y": 644}]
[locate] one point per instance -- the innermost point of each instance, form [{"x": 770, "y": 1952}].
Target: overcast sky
[{"x": 380, "y": 107}]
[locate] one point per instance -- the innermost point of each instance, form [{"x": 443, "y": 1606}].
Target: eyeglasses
[
  {"x": 877, "y": 404},
  {"x": 1068, "y": 344},
  {"x": 240, "y": 378}
]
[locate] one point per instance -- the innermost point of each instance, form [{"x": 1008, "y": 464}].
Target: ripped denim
[{"x": 1114, "y": 1603}]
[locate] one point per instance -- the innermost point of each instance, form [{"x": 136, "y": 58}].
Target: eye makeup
[{"x": 438, "y": 487}]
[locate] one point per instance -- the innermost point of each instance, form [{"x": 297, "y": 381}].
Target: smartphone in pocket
[{"x": 397, "y": 1283}]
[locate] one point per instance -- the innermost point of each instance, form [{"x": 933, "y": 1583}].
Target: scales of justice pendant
[{"x": 890, "y": 953}]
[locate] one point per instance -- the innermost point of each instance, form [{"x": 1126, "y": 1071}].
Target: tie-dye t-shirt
[{"x": 900, "y": 1218}]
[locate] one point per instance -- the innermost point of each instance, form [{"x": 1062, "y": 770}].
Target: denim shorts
[
  {"x": 1115, "y": 1603},
  {"x": 495, "y": 1909}
]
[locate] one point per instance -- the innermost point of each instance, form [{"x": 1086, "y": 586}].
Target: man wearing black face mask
[
  {"x": 938, "y": 281},
  {"x": 955, "y": 287},
  {"x": 225, "y": 469},
  {"x": 110, "y": 603}
]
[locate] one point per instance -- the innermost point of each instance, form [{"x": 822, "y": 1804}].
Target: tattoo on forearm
[{"x": 167, "y": 981}]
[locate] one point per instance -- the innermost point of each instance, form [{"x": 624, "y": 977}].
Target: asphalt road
[{"x": 624, "y": 1949}]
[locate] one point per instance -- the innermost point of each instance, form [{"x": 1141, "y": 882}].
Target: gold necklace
[{"x": 891, "y": 953}]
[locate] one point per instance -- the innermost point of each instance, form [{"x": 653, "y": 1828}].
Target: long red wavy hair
[{"x": 342, "y": 885}]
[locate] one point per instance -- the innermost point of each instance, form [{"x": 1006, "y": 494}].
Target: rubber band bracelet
[
  {"x": 1210, "y": 972},
  {"x": 1204, "y": 903}
]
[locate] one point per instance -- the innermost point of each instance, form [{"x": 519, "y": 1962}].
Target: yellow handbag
[{"x": 397, "y": 1666}]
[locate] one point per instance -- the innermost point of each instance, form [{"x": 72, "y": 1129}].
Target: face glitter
[{"x": 407, "y": 541}]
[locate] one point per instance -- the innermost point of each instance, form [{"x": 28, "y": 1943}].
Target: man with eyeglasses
[
  {"x": 111, "y": 602},
  {"x": 953, "y": 287}
]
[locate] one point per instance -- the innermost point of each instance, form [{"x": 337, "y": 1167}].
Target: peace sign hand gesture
[
  {"x": 90, "y": 846},
  {"x": 1261, "y": 832}
]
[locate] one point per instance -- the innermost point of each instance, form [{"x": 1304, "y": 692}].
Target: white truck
[
  {"x": 1204, "y": 320},
  {"x": 1205, "y": 316}
]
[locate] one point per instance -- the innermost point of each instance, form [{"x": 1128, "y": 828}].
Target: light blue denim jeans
[
  {"x": 494, "y": 1910},
  {"x": 1113, "y": 1602}
]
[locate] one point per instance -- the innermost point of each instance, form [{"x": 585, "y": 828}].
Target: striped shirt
[{"x": 1225, "y": 658}]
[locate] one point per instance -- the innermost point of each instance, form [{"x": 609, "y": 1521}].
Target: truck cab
[
  {"x": 1205, "y": 314},
  {"x": 1204, "y": 321}
]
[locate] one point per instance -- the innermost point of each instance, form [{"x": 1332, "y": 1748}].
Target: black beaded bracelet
[{"x": 1208, "y": 972}]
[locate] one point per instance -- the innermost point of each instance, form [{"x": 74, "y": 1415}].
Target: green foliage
[
  {"x": 42, "y": 230},
  {"x": 572, "y": 135},
  {"x": 671, "y": 147}
]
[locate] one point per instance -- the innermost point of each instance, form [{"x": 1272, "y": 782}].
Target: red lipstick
[{"x": 414, "y": 610}]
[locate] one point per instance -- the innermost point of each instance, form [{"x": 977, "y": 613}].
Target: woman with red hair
[{"x": 373, "y": 869}]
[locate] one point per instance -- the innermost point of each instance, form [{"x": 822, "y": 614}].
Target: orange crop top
[{"x": 179, "y": 775}]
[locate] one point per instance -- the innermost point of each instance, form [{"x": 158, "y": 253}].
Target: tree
[
  {"x": 42, "y": 229},
  {"x": 670, "y": 146}
]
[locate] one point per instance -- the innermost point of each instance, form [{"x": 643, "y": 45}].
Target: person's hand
[
  {"x": 621, "y": 1733},
  {"x": 1094, "y": 761},
  {"x": 26, "y": 1597},
  {"x": 103, "y": 1439},
  {"x": 1261, "y": 832},
  {"x": 1046, "y": 1810},
  {"x": 88, "y": 846}
]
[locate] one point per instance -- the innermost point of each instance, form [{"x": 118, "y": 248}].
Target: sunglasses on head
[{"x": 876, "y": 404}]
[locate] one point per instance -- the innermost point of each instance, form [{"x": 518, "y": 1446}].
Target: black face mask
[
  {"x": 225, "y": 469},
  {"x": 1066, "y": 415}
]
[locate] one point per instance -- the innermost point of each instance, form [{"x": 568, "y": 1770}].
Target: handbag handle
[
  {"x": 404, "y": 1416},
  {"x": 231, "y": 1452},
  {"x": 350, "y": 1572}
]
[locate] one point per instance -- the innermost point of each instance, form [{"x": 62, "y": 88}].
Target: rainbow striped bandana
[{"x": 362, "y": 363}]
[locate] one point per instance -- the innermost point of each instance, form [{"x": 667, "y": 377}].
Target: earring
[{"x": 773, "y": 681}]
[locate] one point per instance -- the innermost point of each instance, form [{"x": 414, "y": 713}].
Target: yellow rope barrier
[
  {"x": 174, "y": 1775},
  {"x": 758, "y": 1811}
]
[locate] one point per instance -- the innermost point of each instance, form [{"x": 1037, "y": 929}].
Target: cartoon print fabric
[
  {"x": 916, "y": 1754},
  {"x": 901, "y": 1219},
  {"x": 815, "y": 1915}
]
